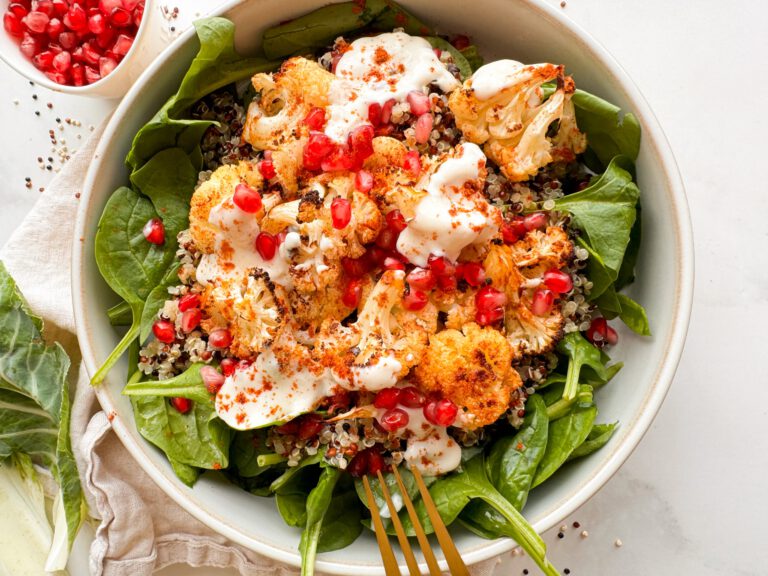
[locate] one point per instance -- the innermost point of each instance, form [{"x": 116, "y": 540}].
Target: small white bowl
[
  {"x": 526, "y": 30},
  {"x": 149, "y": 42}
]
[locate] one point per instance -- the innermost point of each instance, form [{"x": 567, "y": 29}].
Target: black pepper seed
[
  {"x": 49, "y": 167},
  {"x": 58, "y": 120},
  {"x": 525, "y": 570},
  {"x": 34, "y": 96},
  {"x": 37, "y": 112},
  {"x": 173, "y": 28},
  {"x": 28, "y": 179},
  {"x": 560, "y": 535},
  {"x": 576, "y": 525},
  {"x": 566, "y": 571},
  {"x": 50, "y": 159},
  {"x": 50, "y": 105},
  {"x": 31, "y": 83}
]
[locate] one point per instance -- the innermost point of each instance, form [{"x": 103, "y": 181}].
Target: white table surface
[{"x": 692, "y": 499}]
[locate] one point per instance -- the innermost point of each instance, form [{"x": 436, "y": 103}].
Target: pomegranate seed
[
  {"x": 106, "y": 65},
  {"x": 375, "y": 463},
  {"x": 55, "y": 48},
  {"x": 315, "y": 118},
  {"x": 352, "y": 294},
  {"x": 68, "y": 40},
  {"x": 191, "y": 320},
  {"x": 90, "y": 54},
  {"x": 18, "y": 10},
  {"x": 460, "y": 42},
  {"x": 358, "y": 466},
  {"x": 36, "y": 22},
  {"x": 164, "y": 331},
  {"x": 542, "y": 302},
  {"x": 183, "y": 405},
  {"x": 341, "y": 213},
  {"x": 76, "y": 18},
  {"x": 290, "y": 428},
  {"x": 412, "y": 397},
  {"x": 13, "y": 25},
  {"x": 120, "y": 17},
  {"x": 154, "y": 231},
  {"x": 423, "y": 127},
  {"x": 512, "y": 231},
  {"x": 387, "y": 398},
  {"x": 396, "y": 220},
  {"x": 138, "y": 15},
  {"x": 247, "y": 199},
  {"x": 54, "y": 28},
  {"x": 310, "y": 425},
  {"x": 437, "y": 52},
  {"x": 394, "y": 419},
  {"x": 419, "y": 102},
  {"x": 378, "y": 255},
  {"x": 600, "y": 333},
  {"x": 267, "y": 169},
  {"x": 374, "y": 114},
  {"x": 441, "y": 266},
  {"x": 212, "y": 378},
  {"x": 91, "y": 75},
  {"x": 106, "y": 6},
  {"x": 62, "y": 61},
  {"x": 339, "y": 160},
  {"x": 318, "y": 147},
  {"x": 356, "y": 267},
  {"x": 360, "y": 143},
  {"x": 489, "y": 317},
  {"x": 412, "y": 163},
  {"x": 535, "y": 221},
  {"x": 472, "y": 273},
  {"x": 122, "y": 45},
  {"x": 447, "y": 283},
  {"x": 415, "y": 300},
  {"x": 387, "y": 239},
  {"x": 441, "y": 412},
  {"x": 392, "y": 263},
  {"x": 386, "y": 111},
  {"x": 228, "y": 366},
  {"x": 60, "y": 7},
  {"x": 97, "y": 24},
  {"x": 106, "y": 39},
  {"x": 266, "y": 245},
  {"x": 558, "y": 281},
  {"x": 421, "y": 279},
  {"x": 363, "y": 181},
  {"x": 78, "y": 75},
  {"x": 189, "y": 301},
  {"x": 220, "y": 338},
  {"x": 44, "y": 6},
  {"x": 488, "y": 298},
  {"x": 29, "y": 45},
  {"x": 43, "y": 61}
]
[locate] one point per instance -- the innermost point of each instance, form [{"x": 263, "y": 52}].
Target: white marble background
[{"x": 693, "y": 499}]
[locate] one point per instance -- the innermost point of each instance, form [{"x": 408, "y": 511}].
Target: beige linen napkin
[{"x": 140, "y": 529}]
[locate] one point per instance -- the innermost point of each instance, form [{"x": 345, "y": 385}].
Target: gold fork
[{"x": 456, "y": 565}]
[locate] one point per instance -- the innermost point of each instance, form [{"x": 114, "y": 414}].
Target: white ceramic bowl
[
  {"x": 150, "y": 40},
  {"x": 527, "y": 30}
]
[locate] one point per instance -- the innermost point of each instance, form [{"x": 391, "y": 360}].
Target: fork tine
[
  {"x": 410, "y": 559},
  {"x": 387, "y": 556},
  {"x": 455, "y": 563},
  {"x": 426, "y": 549}
]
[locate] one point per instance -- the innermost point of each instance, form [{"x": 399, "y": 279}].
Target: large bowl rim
[{"x": 652, "y": 134}]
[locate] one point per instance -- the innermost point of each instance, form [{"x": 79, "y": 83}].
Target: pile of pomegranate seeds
[
  {"x": 74, "y": 42},
  {"x": 438, "y": 411}
]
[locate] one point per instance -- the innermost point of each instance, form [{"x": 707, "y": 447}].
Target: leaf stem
[
  {"x": 571, "y": 381},
  {"x": 270, "y": 459},
  {"x": 120, "y": 314},
  {"x": 121, "y": 347}
]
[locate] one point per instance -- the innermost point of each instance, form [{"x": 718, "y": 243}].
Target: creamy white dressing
[
  {"x": 446, "y": 220},
  {"x": 234, "y": 253},
  {"x": 376, "y": 69},
  {"x": 397, "y": 502},
  {"x": 374, "y": 377},
  {"x": 265, "y": 393},
  {"x": 492, "y": 78}
]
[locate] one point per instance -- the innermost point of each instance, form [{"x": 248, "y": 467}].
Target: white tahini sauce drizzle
[
  {"x": 235, "y": 253},
  {"x": 378, "y": 68},
  {"x": 376, "y": 376},
  {"x": 448, "y": 219},
  {"x": 489, "y": 80}
]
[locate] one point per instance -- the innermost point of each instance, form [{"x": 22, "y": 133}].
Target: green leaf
[
  {"x": 245, "y": 450},
  {"x": 633, "y": 315},
  {"x": 291, "y": 471},
  {"x": 156, "y": 300},
  {"x": 566, "y": 434},
  {"x": 605, "y": 211},
  {"x": 465, "y": 69},
  {"x": 184, "y": 472},
  {"x": 473, "y": 57},
  {"x": 216, "y": 65},
  {"x": 120, "y": 314},
  {"x": 580, "y": 352},
  {"x": 291, "y": 498},
  {"x": 597, "y": 438},
  {"x": 341, "y": 525},
  {"x": 627, "y": 271},
  {"x": 189, "y": 384},
  {"x": 609, "y": 133},
  {"x": 318, "y": 502}
]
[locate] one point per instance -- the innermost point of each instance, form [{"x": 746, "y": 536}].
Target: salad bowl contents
[{"x": 365, "y": 248}]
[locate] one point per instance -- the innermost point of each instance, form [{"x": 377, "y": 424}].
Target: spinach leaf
[
  {"x": 566, "y": 434},
  {"x": 321, "y": 27},
  {"x": 605, "y": 212},
  {"x": 597, "y": 438},
  {"x": 341, "y": 525},
  {"x": 198, "y": 438},
  {"x": 156, "y": 300},
  {"x": 291, "y": 497},
  {"x": 189, "y": 384},
  {"x": 580, "y": 352},
  {"x": 633, "y": 315},
  {"x": 291, "y": 471},
  {"x": 245, "y": 450},
  {"x": 216, "y": 65},
  {"x": 184, "y": 472},
  {"x": 608, "y": 132},
  {"x": 627, "y": 271},
  {"x": 129, "y": 264},
  {"x": 120, "y": 314},
  {"x": 513, "y": 460},
  {"x": 458, "y": 57},
  {"x": 318, "y": 502},
  {"x": 34, "y": 402},
  {"x": 472, "y": 56}
]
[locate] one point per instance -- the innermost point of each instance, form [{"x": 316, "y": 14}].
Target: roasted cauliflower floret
[
  {"x": 531, "y": 334},
  {"x": 217, "y": 189},
  {"x": 539, "y": 251},
  {"x": 251, "y": 308},
  {"x": 274, "y": 119},
  {"x": 502, "y": 269},
  {"x": 514, "y": 125},
  {"x": 473, "y": 368}
]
